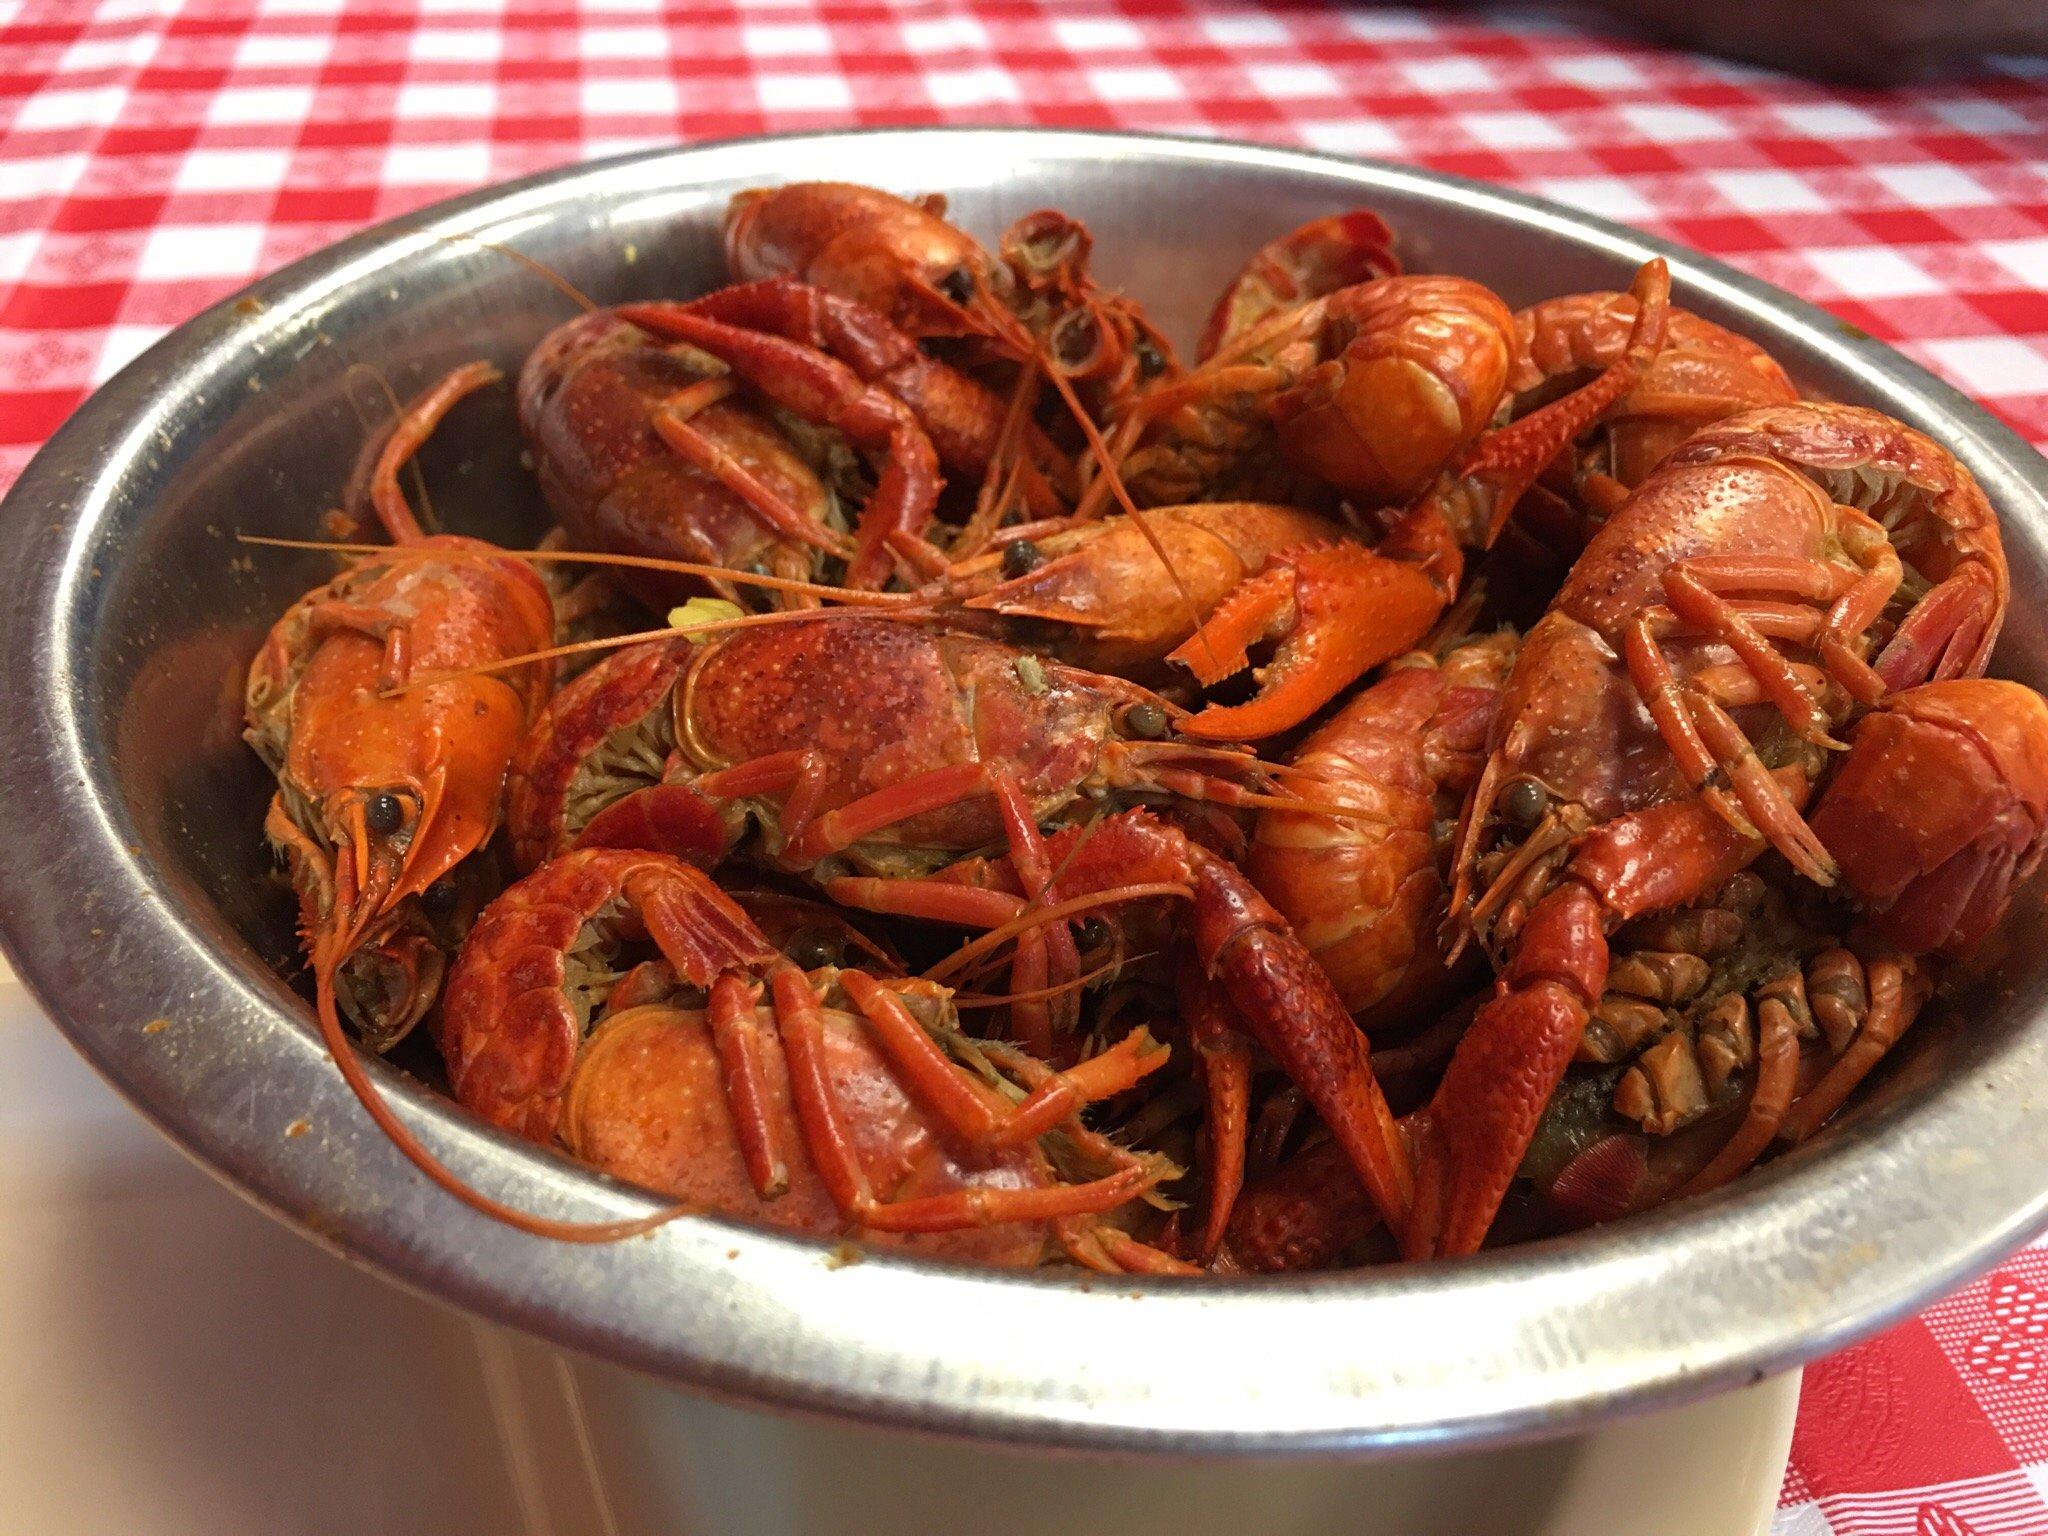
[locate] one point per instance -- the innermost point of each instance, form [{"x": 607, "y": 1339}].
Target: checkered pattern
[{"x": 156, "y": 154}]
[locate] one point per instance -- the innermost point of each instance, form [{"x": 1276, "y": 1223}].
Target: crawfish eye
[
  {"x": 808, "y": 951},
  {"x": 1020, "y": 558},
  {"x": 1091, "y": 933},
  {"x": 956, "y": 284},
  {"x": 1524, "y": 802},
  {"x": 440, "y": 898},
  {"x": 1151, "y": 361},
  {"x": 1147, "y": 721},
  {"x": 383, "y": 814},
  {"x": 1076, "y": 341}
]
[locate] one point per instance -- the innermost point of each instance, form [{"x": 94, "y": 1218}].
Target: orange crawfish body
[
  {"x": 1099, "y": 594},
  {"x": 898, "y": 257},
  {"x": 1725, "y": 611},
  {"x": 822, "y": 1103},
  {"x": 593, "y": 399},
  {"x": 1399, "y": 413},
  {"x": 1366, "y": 894}
]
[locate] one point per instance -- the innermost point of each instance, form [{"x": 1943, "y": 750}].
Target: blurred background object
[{"x": 1866, "y": 42}]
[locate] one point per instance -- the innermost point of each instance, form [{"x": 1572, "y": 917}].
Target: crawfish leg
[
  {"x": 1695, "y": 591},
  {"x": 801, "y": 1027},
  {"x": 1709, "y": 746},
  {"x": 797, "y": 776},
  {"x": 414, "y": 426},
  {"x": 1046, "y": 956},
  {"x": 975, "y": 1112},
  {"x": 1224, "y": 1052},
  {"x": 820, "y": 388},
  {"x": 781, "y": 516},
  {"x": 736, "y": 1034},
  {"x": 1945, "y": 628}
]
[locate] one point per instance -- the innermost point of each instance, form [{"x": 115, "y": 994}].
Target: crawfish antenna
[
  {"x": 533, "y": 264},
  {"x": 414, "y": 426}
]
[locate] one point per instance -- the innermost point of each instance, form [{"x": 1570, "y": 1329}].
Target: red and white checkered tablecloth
[{"x": 156, "y": 154}]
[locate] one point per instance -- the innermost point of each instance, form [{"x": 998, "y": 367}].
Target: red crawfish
[
  {"x": 389, "y": 778},
  {"x": 1703, "y": 374},
  {"x": 1366, "y": 893},
  {"x": 603, "y": 405},
  {"x": 1936, "y": 813},
  {"x": 1114, "y": 596},
  {"x": 902, "y": 259},
  {"x": 1342, "y": 250},
  {"x": 1665, "y": 722},
  {"x": 385, "y": 704},
  {"x": 1384, "y": 393},
  {"x": 882, "y": 751},
  {"x": 823, "y": 1102}
]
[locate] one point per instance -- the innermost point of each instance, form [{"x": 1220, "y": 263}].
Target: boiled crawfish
[
  {"x": 1383, "y": 393},
  {"x": 972, "y": 745},
  {"x": 1366, "y": 893},
  {"x": 603, "y": 404},
  {"x": 389, "y": 778},
  {"x": 1703, "y": 374},
  {"x": 1622, "y": 782},
  {"x": 902, "y": 259},
  {"x": 821, "y": 1102}
]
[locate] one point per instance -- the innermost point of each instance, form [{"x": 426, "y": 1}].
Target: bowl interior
[{"x": 138, "y": 612}]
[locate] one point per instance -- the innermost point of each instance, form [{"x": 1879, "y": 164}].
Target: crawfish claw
[{"x": 1335, "y": 611}]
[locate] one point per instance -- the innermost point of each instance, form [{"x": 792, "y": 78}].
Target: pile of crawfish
[{"x": 849, "y": 819}]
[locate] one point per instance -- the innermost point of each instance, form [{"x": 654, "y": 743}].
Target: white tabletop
[{"x": 175, "y": 1362}]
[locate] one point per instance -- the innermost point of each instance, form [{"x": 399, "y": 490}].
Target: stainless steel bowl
[{"x": 135, "y": 901}]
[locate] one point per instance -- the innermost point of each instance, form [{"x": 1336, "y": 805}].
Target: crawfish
[
  {"x": 382, "y": 702},
  {"x": 1703, "y": 374},
  {"x": 873, "y": 752},
  {"x": 1383, "y": 393},
  {"x": 818, "y": 1102},
  {"x": 1113, "y": 596},
  {"x": 896, "y": 256},
  {"x": 1366, "y": 894},
  {"x": 902, "y": 259},
  {"x": 1622, "y": 778},
  {"x": 1342, "y": 250},
  {"x": 811, "y": 386},
  {"x": 383, "y": 788},
  {"x": 1936, "y": 813},
  {"x": 603, "y": 406},
  {"x": 973, "y": 432}
]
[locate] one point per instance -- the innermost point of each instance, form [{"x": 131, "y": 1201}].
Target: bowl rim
[{"x": 1795, "y": 1260}]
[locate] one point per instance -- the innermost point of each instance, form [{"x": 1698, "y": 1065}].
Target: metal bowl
[{"x": 135, "y": 898}]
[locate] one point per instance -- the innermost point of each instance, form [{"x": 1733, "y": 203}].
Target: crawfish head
[
  {"x": 381, "y": 794},
  {"x": 894, "y": 255},
  {"x": 1940, "y": 810}
]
